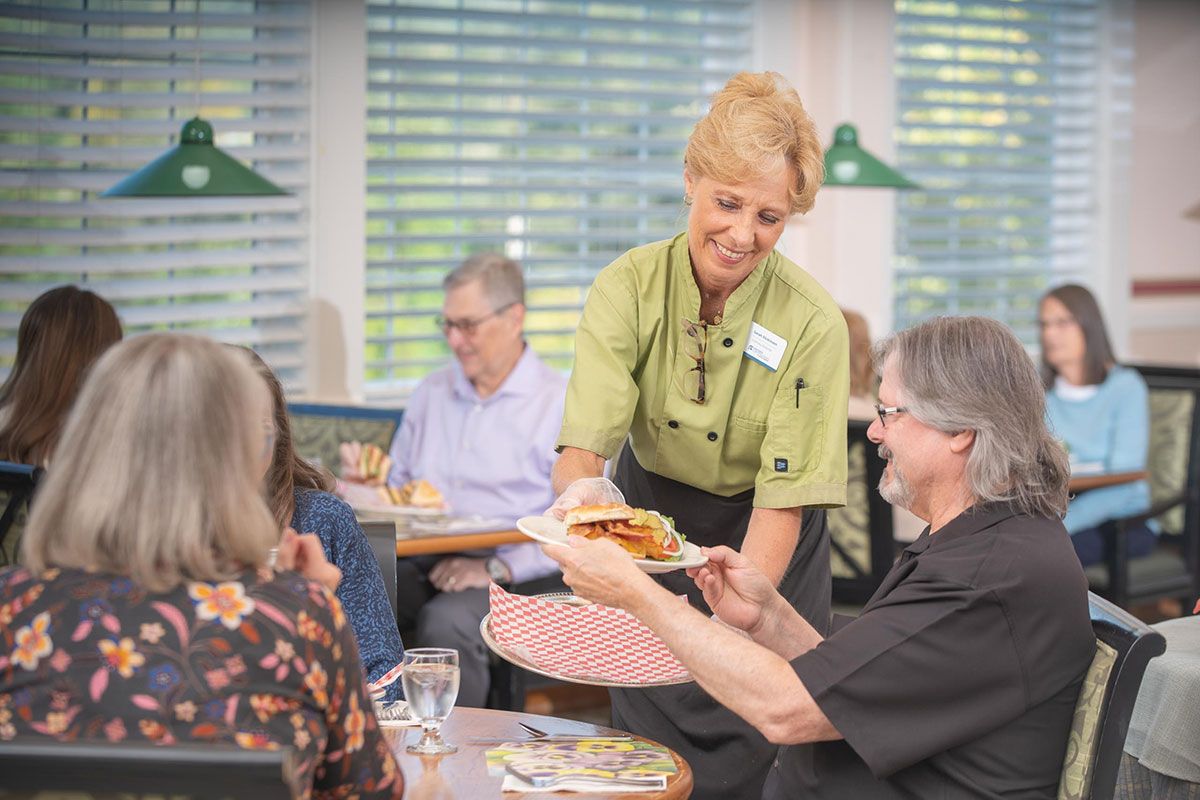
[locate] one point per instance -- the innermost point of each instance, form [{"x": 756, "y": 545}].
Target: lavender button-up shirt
[{"x": 489, "y": 457}]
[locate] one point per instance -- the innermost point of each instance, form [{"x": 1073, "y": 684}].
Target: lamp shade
[
  {"x": 847, "y": 164},
  {"x": 194, "y": 168}
]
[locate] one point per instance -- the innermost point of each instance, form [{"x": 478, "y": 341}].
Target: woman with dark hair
[
  {"x": 298, "y": 494},
  {"x": 1100, "y": 412},
  {"x": 62, "y": 332}
]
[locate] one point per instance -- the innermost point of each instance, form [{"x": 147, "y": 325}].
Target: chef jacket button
[
  {"x": 728, "y": 342},
  {"x": 712, "y": 436},
  {"x": 672, "y": 424}
]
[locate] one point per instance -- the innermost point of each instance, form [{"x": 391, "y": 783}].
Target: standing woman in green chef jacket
[{"x": 726, "y": 366}]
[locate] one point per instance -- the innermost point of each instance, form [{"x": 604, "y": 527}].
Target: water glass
[{"x": 430, "y": 680}]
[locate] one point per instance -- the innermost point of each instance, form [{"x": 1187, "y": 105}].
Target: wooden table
[
  {"x": 1084, "y": 482},
  {"x": 418, "y": 544},
  {"x": 464, "y": 776},
  {"x": 411, "y": 541}
]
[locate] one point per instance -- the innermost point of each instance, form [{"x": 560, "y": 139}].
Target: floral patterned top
[{"x": 261, "y": 661}]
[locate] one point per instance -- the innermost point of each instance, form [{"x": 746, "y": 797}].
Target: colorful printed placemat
[
  {"x": 596, "y": 758},
  {"x": 582, "y": 641}
]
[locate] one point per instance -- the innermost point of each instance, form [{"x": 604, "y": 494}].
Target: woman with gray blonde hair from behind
[
  {"x": 947, "y": 368},
  {"x": 146, "y": 610}
]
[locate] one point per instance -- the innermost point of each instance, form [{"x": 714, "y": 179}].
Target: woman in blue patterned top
[{"x": 298, "y": 494}]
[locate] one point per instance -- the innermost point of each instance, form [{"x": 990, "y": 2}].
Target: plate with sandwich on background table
[
  {"x": 415, "y": 499},
  {"x": 649, "y": 537}
]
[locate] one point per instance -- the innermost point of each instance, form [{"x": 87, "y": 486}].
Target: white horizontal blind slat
[
  {"x": 999, "y": 122},
  {"x": 94, "y": 91},
  {"x": 551, "y": 132}
]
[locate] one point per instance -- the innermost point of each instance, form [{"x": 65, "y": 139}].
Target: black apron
[{"x": 728, "y": 757}]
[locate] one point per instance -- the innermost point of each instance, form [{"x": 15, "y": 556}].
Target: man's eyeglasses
[
  {"x": 695, "y": 343},
  {"x": 886, "y": 411},
  {"x": 467, "y": 327}
]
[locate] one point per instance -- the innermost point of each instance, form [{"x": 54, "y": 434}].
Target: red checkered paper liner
[{"x": 592, "y": 641}]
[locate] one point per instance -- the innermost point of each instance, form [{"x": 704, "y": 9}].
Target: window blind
[
  {"x": 1003, "y": 113},
  {"x": 551, "y": 131},
  {"x": 92, "y": 91}
]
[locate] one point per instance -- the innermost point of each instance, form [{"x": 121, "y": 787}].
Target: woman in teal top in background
[{"x": 1100, "y": 411}]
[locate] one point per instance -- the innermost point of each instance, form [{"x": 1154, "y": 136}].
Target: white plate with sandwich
[
  {"x": 415, "y": 499},
  {"x": 647, "y": 535}
]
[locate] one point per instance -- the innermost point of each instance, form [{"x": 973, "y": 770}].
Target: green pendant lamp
[
  {"x": 847, "y": 164},
  {"x": 194, "y": 168}
]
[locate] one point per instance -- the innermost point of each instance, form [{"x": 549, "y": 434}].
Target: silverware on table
[
  {"x": 551, "y": 739},
  {"x": 540, "y": 734}
]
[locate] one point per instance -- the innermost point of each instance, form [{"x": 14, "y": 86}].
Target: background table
[
  {"x": 1162, "y": 749},
  {"x": 1082, "y": 483},
  {"x": 412, "y": 540},
  {"x": 464, "y": 776},
  {"x": 417, "y": 544}
]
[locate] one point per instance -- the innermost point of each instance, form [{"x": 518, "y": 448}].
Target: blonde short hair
[
  {"x": 755, "y": 121},
  {"x": 156, "y": 475}
]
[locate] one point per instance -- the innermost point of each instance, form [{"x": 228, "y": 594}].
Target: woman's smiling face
[{"x": 732, "y": 227}]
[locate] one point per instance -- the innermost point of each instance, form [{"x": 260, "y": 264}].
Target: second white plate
[{"x": 553, "y": 531}]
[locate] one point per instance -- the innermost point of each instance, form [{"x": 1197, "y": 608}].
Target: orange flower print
[
  {"x": 339, "y": 616},
  {"x": 185, "y": 711},
  {"x": 356, "y": 721},
  {"x": 254, "y": 740},
  {"x": 155, "y": 731},
  {"x": 121, "y": 657},
  {"x": 33, "y": 642},
  {"x": 315, "y": 681},
  {"x": 308, "y": 627},
  {"x": 268, "y": 705},
  {"x": 226, "y": 602}
]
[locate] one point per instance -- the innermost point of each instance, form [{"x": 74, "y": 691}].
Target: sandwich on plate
[
  {"x": 419, "y": 493},
  {"x": 645, "y": 534}
]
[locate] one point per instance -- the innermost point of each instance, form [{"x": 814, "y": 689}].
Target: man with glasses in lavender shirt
[{"x": 482, "y": 431}]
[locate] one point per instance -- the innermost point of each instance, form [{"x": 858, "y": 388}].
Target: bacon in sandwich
[{"x": 643, "y": 533}]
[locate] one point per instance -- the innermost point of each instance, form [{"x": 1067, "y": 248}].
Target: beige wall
[
  {"x": 839, "y": 58},
  {"x": 1165, "y": 244}
]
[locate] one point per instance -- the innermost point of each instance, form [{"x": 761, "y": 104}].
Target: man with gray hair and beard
[{"x": 960, "y": 676}]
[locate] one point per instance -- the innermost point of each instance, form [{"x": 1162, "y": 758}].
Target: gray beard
[{"x": 898, "y": 491}]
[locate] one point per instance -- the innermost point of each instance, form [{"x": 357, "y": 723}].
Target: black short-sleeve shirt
[{"x": 960, "y": 677}]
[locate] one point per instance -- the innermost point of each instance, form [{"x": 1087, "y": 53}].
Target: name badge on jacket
[{"x": 764, "y": 347}]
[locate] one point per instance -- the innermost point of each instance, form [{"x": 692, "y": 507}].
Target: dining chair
[
  {"x": 199, "y": 772},
  {"x": 318, "y": 429},
  {"x": 1172, "y": 568},
  {"x": 861, "y": 539},
  {"x": 17, "y": 485},
  {"x": 382, "y": 536},
  {"x": 1124, "y": 646}
]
